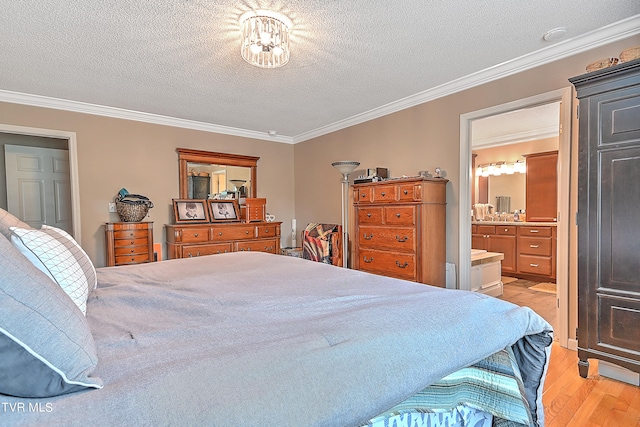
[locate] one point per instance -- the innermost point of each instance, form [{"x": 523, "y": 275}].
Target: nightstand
[{"x": 128, "y": 242}]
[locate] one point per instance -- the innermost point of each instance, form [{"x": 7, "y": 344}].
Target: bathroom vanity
[{"x": 529, "y": 248}]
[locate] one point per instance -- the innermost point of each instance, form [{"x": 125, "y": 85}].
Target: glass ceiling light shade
[
  {"x": 345, "y": 166},
  {"x": 265, "y": 39}
]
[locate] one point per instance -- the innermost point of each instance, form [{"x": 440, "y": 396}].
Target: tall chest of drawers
[
  {"x": 400, "y": 229},
  {"x": 129, "y": 242},
  {"x": 191, "y": 240}
]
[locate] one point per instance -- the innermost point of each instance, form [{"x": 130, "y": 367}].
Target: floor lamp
[{"x": 345, "y": 168}]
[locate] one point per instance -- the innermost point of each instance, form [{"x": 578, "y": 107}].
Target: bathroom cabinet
[
  {"x": 542, "y": 187},
  {"x": 497, "y": 238},
  {"x": 608, "y": 225}
]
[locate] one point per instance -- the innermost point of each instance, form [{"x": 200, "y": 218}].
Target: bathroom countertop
[
  {"x": 479, "y": 256},
  {"x": 525, "y": 223}
]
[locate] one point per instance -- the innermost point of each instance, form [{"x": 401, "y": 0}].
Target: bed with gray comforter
[{"x": 254, "y": 339}]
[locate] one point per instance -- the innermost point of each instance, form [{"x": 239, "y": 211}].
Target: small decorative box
[{"x": 255, "y": 209}]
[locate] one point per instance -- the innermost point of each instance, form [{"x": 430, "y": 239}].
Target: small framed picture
[
  {"x": 190, "y": 211},
  {"x": 224, "y": 210}
]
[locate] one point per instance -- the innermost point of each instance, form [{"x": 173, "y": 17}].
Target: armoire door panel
[
  {"x": 619, "y": 248},
  {"x": 618, "y": 327},
  {"x": 620, "y": 118}
]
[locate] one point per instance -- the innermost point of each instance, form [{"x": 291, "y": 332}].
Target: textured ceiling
[{"x": 350, "y": 60}]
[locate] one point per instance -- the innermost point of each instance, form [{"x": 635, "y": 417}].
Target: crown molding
[
  {"x": 602, "y": 36},
  {"x": 119, "y": 113},
  {"x": 528, "y": 135},
  {"x": 611, "y": 33}
]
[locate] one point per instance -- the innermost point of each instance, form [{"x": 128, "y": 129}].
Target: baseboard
[{"x": 616, "y": 372}]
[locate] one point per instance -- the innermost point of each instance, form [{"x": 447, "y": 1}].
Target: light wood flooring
[{"x": 570, "y": 400}]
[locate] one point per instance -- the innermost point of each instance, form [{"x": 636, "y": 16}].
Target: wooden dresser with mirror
[{"x": 226, "y": 173}]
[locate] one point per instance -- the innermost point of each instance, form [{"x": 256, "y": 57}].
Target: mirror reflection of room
[
  {"x": 502, "y": 197},
  {"x": 208, "y": 181}
]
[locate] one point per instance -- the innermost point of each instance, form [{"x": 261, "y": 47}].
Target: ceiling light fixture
[{"x": 265, "y": 39}]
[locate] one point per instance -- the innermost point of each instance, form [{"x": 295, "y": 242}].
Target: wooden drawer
[
  {"x": 195, "y": 235},
  {"x": 409, "y": 192},
  {"x": 131, "y": 234},
  {"x": 132, "y": 259},
  {"x": 370, "y": 215},
  {"x": 363, "y": 195},
  {"x": 130, "y": 242},
  {"x": 535, "y": 231},
  {"x": 486, "y": 229},
  {"x": 132, "y": 250},
  {"x": 396, "y": 238},
  {"x": 534, "y": 245},
  {"x": 532, "y": 264},
  {"x": 265, "y": 245},
  {"x": 506, "y": 230},
  {"x": 269, "y": 230},
  {"x": 400, "y": 215},
  {"x": 201, "y": 250},
  {"x": 402, "y": 266},
  {"x": 474, "y": 229},
  {"x": 385, "y": 193},
  {"x": 233, "y": 233}
]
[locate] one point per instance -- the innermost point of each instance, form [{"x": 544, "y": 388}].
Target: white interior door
[{"x": 38, "y": 186}]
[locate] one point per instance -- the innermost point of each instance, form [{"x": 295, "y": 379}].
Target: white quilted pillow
[
  {"x": 76, "y": 250},
  {"x": 52, "y": 257}
]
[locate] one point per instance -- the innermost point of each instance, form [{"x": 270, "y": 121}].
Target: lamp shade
[{"x": 345, "y": 167}]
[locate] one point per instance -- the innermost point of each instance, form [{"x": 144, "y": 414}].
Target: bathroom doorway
[
  {"x": 31, "y": 135},
  {"x": 563, "y": 98}
]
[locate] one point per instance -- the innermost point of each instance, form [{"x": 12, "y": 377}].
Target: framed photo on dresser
[
  {"x": 224, "y": 210},
  {"x": 192, "y": 211}
]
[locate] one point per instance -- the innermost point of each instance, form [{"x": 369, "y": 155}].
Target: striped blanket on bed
[{"x": 492, "y": 388}]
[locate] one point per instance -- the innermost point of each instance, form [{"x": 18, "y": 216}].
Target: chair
[{"x": 322, "y": 243}]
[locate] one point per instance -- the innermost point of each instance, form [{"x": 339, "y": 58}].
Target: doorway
[
  {"x": 563, "y": 96},
  {"x": 69, "y": 138}
]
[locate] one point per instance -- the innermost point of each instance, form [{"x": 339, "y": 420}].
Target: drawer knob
[
  {"x": 368, "y": 236},
  {"x": 398, "y": 215},
  {"x": 403, "y": 265},
  {"x": 131, "y": 243},
  {"x": 383, "y": 194},
  {"x": 246, "y": 232},
  {"x": 534, "y": 231},
  {"x": 131, "y": 250},
  {"x": 219, "y": 233},
  {"x": 533, "y": 265},
  {"x": 406, "y": 192},
  {"x": 195, "y": 234},
  {"x": 506, "y": 229},
  {"x": 402, "y": 239},
  {"x": 367, "y": 260},
  {"x": 364, "y": 195},
  {"x": 369, "y": 215},
  {"x": 534, "y": 246},
  {"x": 266, "y": 231}
]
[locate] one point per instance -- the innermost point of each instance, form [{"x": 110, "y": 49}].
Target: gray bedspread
[{"x": 253, "y": 339}]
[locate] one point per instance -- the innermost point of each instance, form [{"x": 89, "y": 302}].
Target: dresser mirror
[{"x": 206, "y": 174}]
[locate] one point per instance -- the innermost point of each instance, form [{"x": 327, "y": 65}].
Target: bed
[{"x": 255, "y": 339}]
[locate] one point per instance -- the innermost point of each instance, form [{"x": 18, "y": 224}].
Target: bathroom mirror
[{"x": 203, "y": 174}]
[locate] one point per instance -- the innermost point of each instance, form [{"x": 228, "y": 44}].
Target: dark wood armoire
[{"x": 609, "y": 216}]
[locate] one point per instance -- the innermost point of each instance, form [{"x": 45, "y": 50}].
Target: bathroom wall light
[{"x": 501, "y": 168}]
